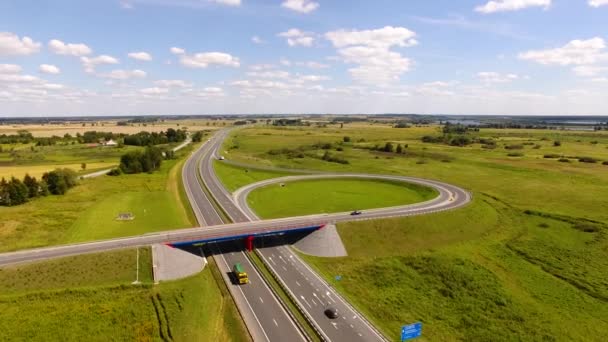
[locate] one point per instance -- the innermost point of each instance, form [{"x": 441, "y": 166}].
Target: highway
[
  {"x": 311, "y": 292},
  {"x": 264, "y": 316}
]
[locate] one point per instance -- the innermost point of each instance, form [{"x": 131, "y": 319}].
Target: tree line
[{"x": 15, "y": 191}]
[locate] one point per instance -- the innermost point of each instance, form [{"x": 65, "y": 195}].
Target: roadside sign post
[{"x": 411, "y": 331}]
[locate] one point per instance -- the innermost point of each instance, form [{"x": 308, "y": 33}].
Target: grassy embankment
[
  {"x": 89, "y": 211},
  {"x": 91, "y": 297},
  {"x": 525, "y": 261},
  {"x": 333, "y": 195}
]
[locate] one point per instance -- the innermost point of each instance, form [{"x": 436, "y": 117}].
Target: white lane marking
[
  {"x": 298, "y": 283},
  {"x": 352, "y": 326},
  {"x": 248, "y": 304},
  {"x": 360, "y": 335},
  {"x": 261, "y": 300},
  {"x": 272, "y": 261},
  {"x": 275, "y": 322},
  {"x": 335, "y": 325},
  {"x": 305, "y": 301},
  {"x": 283, "y": 267},
  {"x": 313, "y": 301}
]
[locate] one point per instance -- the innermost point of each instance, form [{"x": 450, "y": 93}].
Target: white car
[{"x": 222, "y": 158}]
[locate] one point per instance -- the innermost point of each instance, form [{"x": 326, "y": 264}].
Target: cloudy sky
[{"x": 118, "y": 57}]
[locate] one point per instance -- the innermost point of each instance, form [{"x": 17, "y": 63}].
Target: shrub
[
  {"x": 346, "y": 139},
  {"x": 543, "y": 225},
  {"x": 586, "y": 227},
  {"x": 557, "y": 143},
  {"x": 551, "y": 156},
  {"x": 536, "y": 147},
  {"x": 115, "y": 172},
  {"x": 564, "y": 160},
  {"x": 605, "y": 163},
  {"x": 514, "y": 147},
  {"x": 488, "y": 147},
  {"x": 589, "y": 160},
  {"x": 333, "y": 159},
  {"x": 515, "y": 154}
]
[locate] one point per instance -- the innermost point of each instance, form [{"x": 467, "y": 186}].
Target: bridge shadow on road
[{"x": 238, "y": 245}]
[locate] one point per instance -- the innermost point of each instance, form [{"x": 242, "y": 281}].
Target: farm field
[
  {"x": 524, "y": 261},
  {"x": 91, "y": 297},
  {"x": 60, "y": 129},
  {"x": 331, "y": 196},
  {"x": 89, "y": 210}
]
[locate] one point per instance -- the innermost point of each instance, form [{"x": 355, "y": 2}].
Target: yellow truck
[{"x": 240, "y": 274}]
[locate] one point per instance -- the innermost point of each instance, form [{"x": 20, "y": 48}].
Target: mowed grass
[
  {"x": 98, "y": 269},
  {"x": 235, "y": 177},
  {"x": 89, "y": 210},
  {"x": 91, "y": 298},
  {"x": 333, "y": 195},
  {"x": 490, "y": 271}
]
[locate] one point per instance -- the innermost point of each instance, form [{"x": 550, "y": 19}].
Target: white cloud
[
  {"x": 598, "y": 3},
  {"x": 90, "y": 63},
  {"x": 495, "y": 77},
  {"x": 385, "y": 37},
  {"x": 257, "y": 40},
  {"x": 588, "y": 70},
  {"x": 269, "y": 74},
  {"x": 600, "y": 80},
  {"x": 295, "y": 37},
  {"x": 49, "y": 69},
  {"x": 154, "y": 91},
  {"x": 370, "y": 50},
  {"x": 312, "y": 65},
  {"x": 204, "y": 59},
  {"x": 285, "y": 62},
  {"x": 227, "y": 2},
  {"x": 172, "y": 84},
  {"x": 16, "y": 78},
  {"x": 11, "y": 44},
  {"x": 10, "y": 69},
  {"x": 511, "y": 5},
  {"x": 140, "y": 56},
  {"x": 260, "y": 67},
  {"x": 302, "y": 6},
  {"x": 177, "y": 51},
  {"x": 576, "y": 52},
  {"x": 313, "y": 78},
  {"x": 124, "y": 74},
  {"x": 60, "y": 48},
  {"x": 53, "y": 86}
]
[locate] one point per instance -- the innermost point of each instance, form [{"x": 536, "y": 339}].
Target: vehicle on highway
[
  {"x": 222, "y": 158},
  {"x": 356, "y": 212},
  {"x": 240, "y": 274},
  {"x": 331, "y": 313}
]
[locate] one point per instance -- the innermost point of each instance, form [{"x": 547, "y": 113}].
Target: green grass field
[
  {"x": 235, "y": 177},
  {"x": 333, "y": 195},
  {"x": 89, "y": 210},
  {"x": 525, "y": 261},
  {"x": 91, "y": 298}
]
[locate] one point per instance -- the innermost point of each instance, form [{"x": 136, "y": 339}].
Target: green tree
[
  {"x": 32, "y": 185},
  {"x": 388, "y": 147},
  {"x": 346, "y": 139},
  {"x": 83, "y": 166},
  {"x": 17, "y": 191},
  {"x": 399, "y": 149}
]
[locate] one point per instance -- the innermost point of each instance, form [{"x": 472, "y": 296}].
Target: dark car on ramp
[
  {"x": 356, "y": 212},
  {"x": 331, "y": 313}
]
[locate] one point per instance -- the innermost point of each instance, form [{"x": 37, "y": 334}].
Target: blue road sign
[
  {"x": 411, "y": 331},
  {"x": 338, "y": 277}
]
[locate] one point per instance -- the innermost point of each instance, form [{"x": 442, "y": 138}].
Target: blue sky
[{"x": 115, "y": 57}]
